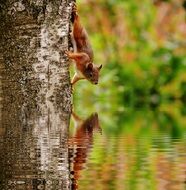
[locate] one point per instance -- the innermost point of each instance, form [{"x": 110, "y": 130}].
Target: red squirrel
[{"x": 83, "y": 53}]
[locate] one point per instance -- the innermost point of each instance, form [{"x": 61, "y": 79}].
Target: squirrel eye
[{"x": 91, "y": 74}]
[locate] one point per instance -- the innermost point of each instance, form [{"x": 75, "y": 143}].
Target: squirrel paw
[
  {"x": 74, "y": 15},
  {"x": 74, "y": 9},
  {"x": 67, "y": 53}
]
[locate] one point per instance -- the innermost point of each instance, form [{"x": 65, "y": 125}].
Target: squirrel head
[{"x": 91, "y": 73}]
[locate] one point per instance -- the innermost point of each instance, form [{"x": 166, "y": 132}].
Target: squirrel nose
[{"x": 96, "y": 83}]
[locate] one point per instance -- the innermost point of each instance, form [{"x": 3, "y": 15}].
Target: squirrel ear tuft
[
  {"x": 90, "y": 66},
  {"x": 99, "y": 68}
]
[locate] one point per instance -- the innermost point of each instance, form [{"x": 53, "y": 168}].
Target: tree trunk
[
  {"x": 35, "y": 94},
  {"x": 34, "y": 35}
]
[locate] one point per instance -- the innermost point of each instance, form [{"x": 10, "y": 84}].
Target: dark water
[{"x": 133, "y": 150}]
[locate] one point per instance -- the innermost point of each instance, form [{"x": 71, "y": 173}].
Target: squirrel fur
[{"x": 83, "y": 53}]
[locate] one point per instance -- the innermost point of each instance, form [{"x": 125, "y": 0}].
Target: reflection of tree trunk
[
  {"x": 36, "y": 94},
  {"x": 34, "y": 148}
]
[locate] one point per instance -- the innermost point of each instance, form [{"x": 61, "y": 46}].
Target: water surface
[{"x": 136, "y": 149}]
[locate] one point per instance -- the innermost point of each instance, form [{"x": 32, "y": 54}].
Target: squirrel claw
[
  {"x": 67, "y": 52},
  {"x": 74, "y": 9}
]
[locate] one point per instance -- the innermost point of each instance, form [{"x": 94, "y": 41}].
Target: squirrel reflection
[{"x": 80, "y": 144}]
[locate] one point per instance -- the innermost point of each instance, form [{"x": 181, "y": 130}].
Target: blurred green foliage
[{"x": 142, "y": 47}]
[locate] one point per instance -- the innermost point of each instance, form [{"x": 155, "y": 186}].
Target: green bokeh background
[
  {"x": 142, "y": 47},
  {"x": 141, "y": 95}
]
